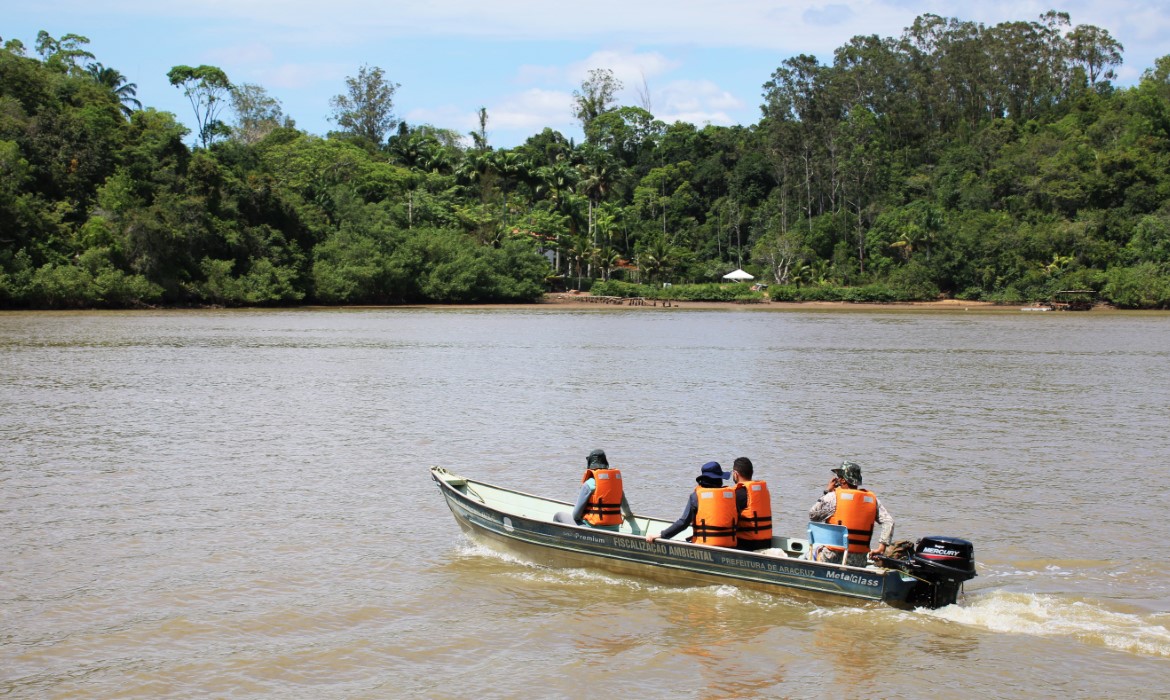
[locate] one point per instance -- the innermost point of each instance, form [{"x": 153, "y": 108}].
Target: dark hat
[
  {"x": 596, "y": 459},
  {"x": 712, "y": 471},
  {"x": 849, "y": 471}
]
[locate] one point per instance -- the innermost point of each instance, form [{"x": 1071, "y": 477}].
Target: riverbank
[
  {"x": 585, "y": 301},
  {"x": 573, "y": 301}
]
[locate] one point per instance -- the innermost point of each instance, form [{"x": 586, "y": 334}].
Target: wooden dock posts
[{"x": 619, "y": 301}]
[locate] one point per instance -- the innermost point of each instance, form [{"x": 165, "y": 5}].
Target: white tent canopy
[{"x": 738, "y": 275}]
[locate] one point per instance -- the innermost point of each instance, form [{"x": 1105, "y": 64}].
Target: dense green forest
[{"x": 997, "y": 163}]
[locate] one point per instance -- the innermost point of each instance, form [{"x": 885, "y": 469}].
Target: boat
[
  {"x": 1074, "y": 300},
  {"x": 1067, "y": 300},
  {"x": 929, "y": 575}
]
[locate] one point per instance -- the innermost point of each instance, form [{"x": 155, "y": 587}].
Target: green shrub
[
  {"x": 1143, "y": 286},
  {"x": 786, "y": 292},
  {"x": 92, "y": 282},
  {"x": 913, "y": 282},
  {"x": 62, "y": 286},
  {"x": 626, "y": 290},
  {"x": 116, "y": 288},
  {"x": 821, "y": 293},
  {"x": 1011, "y": 295}
]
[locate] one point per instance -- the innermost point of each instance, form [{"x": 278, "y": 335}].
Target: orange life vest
[
  {"x": 715, "y": 519},
  {"x": 857, "y": 511},
  {"x": 605, "y": 503},
  {"x": 755, "y": 520}
]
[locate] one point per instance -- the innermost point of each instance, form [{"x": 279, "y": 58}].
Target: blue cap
[{"x": 712, "y": 470}]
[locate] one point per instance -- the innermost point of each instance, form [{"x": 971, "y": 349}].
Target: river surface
[{"x": 237, "y": 503}]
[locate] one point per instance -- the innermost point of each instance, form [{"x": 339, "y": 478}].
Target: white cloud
[
  {"x": 697, "y": 101},
  {"x": 316, "y": 25},
  {"x": 531, "y": 109},
  {"x": 303, "y": 75},
  {"x": 529, "y": 74},
  {"x": 682, "y": 99},
  {"x": 246, "y": 53},
  {"x": 464, "y": 54},
  {"x": 446, "y": 117},
  {"x": 700, "y": 119},
  {"x": 526, "y": 112},
  {"x": 628, "y": 66},
  {"x": 827, "y": 16},
  {"x": 740, "y": 23}
]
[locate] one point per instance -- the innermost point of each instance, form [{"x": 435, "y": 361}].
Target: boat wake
[
  {"x": 529, "y": 570},
  {"x": 475, "y": 549},
  {"x": 534, "y": 571},
  {"x": 1052, "y": 616}
]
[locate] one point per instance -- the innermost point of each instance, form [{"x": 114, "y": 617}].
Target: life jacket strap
[{"x": 755, "y": 523}]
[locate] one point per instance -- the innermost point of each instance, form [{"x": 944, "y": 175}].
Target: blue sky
[{"x": 701, "y": 62}]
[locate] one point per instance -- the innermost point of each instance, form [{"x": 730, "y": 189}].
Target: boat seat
[{"x": 826, "y": 535}]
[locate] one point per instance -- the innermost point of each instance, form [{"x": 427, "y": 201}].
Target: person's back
[
  {"x": 604, "y": 506},
  {"x": 857, "y": 511},
  {"x": 846, "y": 503},
  {"x": 711, "y": 510},
  {"x": 754, "y": 503},
  {"x": 715, "y": 516},
  {"x": 601, "y": 501}
]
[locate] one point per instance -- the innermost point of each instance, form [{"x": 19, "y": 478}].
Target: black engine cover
[{"x": 948, "y": 552}]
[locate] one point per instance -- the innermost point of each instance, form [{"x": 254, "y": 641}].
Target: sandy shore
[
  {"x": 575, "y": 301},
  {"x": 585, "y": 301}
]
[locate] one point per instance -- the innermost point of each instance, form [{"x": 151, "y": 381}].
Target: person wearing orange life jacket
[
  {"x": 754, "y": 503},
  {"x": 845, "y": 503},
  {"x": 601, "y": 502},
  {"x": 710, "y": 513}
]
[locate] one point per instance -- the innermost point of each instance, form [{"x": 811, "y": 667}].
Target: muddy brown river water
[{"x": 237, "y": 503}]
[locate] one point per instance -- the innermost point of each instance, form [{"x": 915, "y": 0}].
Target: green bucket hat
[{"x": 849, "y": 471}]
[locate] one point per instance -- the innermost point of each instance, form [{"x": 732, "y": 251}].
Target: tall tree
[
  {"x": 366, "y": 110},
  {"x": 597, "y": 96},
  {"x": 1029, "y": 80},
  {"x": 798, "y": 107},
  {"x": 257, "y": 113},
  {"x": 479, "y": 136},
  {"x": 126, "y": 92},
  {"x": 628, "y": 133},
  {"x": 600, "y": 174},
  {"x": 63, "y": 54},
  {"x": 207, "y": 88},
  {"x": 1095, "y": 50}
]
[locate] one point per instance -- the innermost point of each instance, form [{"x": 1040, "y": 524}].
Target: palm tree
[
  {"x": 116, "y": 82},
  {"x": 476, "y": 171},
  {"x": 511, "y": 166},
  {"x": 581, "y": 249},
  {"x": 657, "y": 259},
  {"x": 554, "y": 182},
  {"x": 600, "y": 174},
  {"x": 436, "y": 159},
  {"x": 1058, "y": 264},
  {"x": 798, "y": 274},
  {"x": 907, "y": 240},
  {"x": 607, "y": 260},
  {"x": 820, "y": 273}
]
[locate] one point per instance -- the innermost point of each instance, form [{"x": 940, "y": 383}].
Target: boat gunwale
[{"x": 891, "y": 589}]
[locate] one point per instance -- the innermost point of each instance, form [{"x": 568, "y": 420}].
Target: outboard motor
[{"x": 942, "y": 565}]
